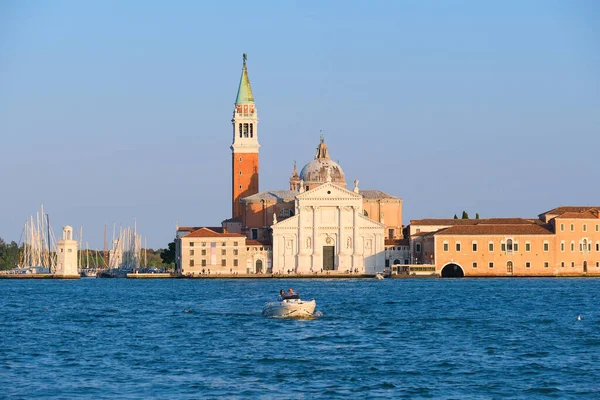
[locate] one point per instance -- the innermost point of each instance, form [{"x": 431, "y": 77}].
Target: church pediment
[
  {"x": 290, "y": 222},
  {"x": 329, "y": 191}
]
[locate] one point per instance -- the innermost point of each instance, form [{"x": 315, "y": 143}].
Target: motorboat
[
  {"x": 289, "y": 307},
  {"x": 379, "y": 276}
]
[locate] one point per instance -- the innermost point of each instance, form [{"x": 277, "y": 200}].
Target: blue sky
[{"x": 111, "y": 110}]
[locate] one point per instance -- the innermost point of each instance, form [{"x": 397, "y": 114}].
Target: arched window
[
  {"x": 509, "y": 245},
  {"x": 251, "y": 130},
  {"x": 509, "y": 267},
  {"x": 240, "y": 130}
]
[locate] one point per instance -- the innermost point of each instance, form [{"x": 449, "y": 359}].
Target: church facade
[{"x": 317, "y": 225}]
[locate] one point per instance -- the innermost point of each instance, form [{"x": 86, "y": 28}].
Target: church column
[
  {"x": 354, "y": 229},
  {"x": 301, "y": 245},
  {"x": 315, "y": 249},
  {"x": 341, "y": 243}
]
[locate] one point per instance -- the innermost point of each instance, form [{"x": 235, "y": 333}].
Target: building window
[
  {"x": 572, "y": 228},
  {"x": 584, "y": 227},
  {"x": 516, "y": 246},
  {"x": 391, "y": 234},
  {"x": 418, "y": 246},
  {"x": 235, "y": 243},
  {"x": 491, "y": 246},
  {"x": 191, "y": 244},
  {"x": 502, "y": 246},
  {"x": 474, "y": 245},
  {"x": 203, "y": 244},
  {"x": 69, "y": 250},
  {"x": 445, "y": 246},
  {"x": 235, "y": 252},
  {"x": 572, "y": 246},
  {"x": 597, "y": 246},
  {"x": 240, "y": 187},
  {"x": 251, "y": 130},
  {"x": 562, "y": 227},
  {"x": 203, "y": 252},
  {"x": 223, "y": 252},
  {"x": 562, "y": 264},
  {"x": 204, "y": 263},
  {"x": 254, "y": 233},
  {"x": 597, "y": 228},
  {"x": 572, "y": 264},
  {"x": 458, "y": 246},
  {"x": 62, "y": 250},
  {"x": 191, "y": 263},
  {"x": 597, "y": 264},
  {"x": 191, "y": 252},
  {"x": 562, "y": 246},
  {"x": 240, "y": 172},
  {"x": 527, "y": 264},
  {"x": 491, "y": 265},
  {"x": 224, "y": 244},
  {"x": 509, "y": 245},
  {"x": 546, "y": 246},
  {"x": 509, "y": 267},
  {"x": 527, "y": 246},
  {"x": 474, "y": 265},
  {"x": 546, "y": 264},
  {"x": 240, "y": 159},
  {"x": 245, "y": 130},
  {"x": 235, "y": 262},
  {"x": 240, "y": 127},
  {"x": 223, "y": 263}
]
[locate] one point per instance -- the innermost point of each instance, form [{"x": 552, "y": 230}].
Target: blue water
[{"x": 411, "y": 338}]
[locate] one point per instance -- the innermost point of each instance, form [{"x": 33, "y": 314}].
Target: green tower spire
[{"x": 244, "y": 94}]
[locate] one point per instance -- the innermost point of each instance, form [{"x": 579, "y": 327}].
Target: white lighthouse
[{"x": 67, "y": 255}]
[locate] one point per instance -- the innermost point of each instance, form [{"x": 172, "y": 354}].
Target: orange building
[{"x": 564, "y": 241}]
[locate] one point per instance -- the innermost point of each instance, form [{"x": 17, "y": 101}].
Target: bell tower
[{"x": 244, "y": 149}]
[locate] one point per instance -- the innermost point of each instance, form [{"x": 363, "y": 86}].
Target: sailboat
[{"x": 39, "y": 245}]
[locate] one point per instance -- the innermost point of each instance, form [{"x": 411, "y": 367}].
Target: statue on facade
[{"x": 349, "y": 243}]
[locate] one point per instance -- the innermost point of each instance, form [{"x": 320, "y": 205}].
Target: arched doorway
[
  {"x": 259, "y": 266},
  {"x": 452, "y": 271},
  {"x": 585, "y": 267},
  {"x": 509, "y": 267}
]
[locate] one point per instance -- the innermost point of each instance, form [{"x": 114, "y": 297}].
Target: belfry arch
[{"x": 452, "y": 271}]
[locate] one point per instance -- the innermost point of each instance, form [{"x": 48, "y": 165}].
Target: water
[{"x": 411, "y": 338}]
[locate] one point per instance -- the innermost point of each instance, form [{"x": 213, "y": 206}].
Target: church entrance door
[{"x": 328, "y": 257}]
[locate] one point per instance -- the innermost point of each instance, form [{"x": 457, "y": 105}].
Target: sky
[{"x": 113, "y": 112}]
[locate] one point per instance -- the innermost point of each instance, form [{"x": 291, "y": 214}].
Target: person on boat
[
  {"x": 281, "y": 295},
  {"x": 291, "y": 292}
]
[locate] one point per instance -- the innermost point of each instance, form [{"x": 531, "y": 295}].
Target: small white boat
[
  {"x": 379, "y": 276},
  {"x": 290, "y": 308}
]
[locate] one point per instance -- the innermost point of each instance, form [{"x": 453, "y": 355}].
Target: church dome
[{"x": 322, "y": 169}]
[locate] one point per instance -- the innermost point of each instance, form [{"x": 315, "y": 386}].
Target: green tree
[
  {"x": 465, "y": 215},
  {"x": 476, "y": 215},
  {"x": 168, "y": 255},
  {"x": 9, "y": 254},
  {"x": 455, "y": 217}
]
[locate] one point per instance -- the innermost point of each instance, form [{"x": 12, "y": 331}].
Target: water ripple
[{"x": 466, "y": 339}]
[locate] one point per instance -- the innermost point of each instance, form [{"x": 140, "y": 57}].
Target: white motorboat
[{"x": 292, "y": 307}]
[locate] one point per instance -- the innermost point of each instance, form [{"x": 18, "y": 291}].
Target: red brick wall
[{"x": 246, "y": 183}]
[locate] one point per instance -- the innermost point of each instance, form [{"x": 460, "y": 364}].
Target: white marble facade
[{"x": 328, "y": 232}]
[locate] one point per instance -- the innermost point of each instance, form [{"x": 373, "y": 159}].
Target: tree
[
  {"x": 168, "y": 255},
  {"x": 455, "y": 217},
  {"x": 476, "y": 215},
  {"x": 9, "y": 254},
  {"x": 465, "y": 215}
]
